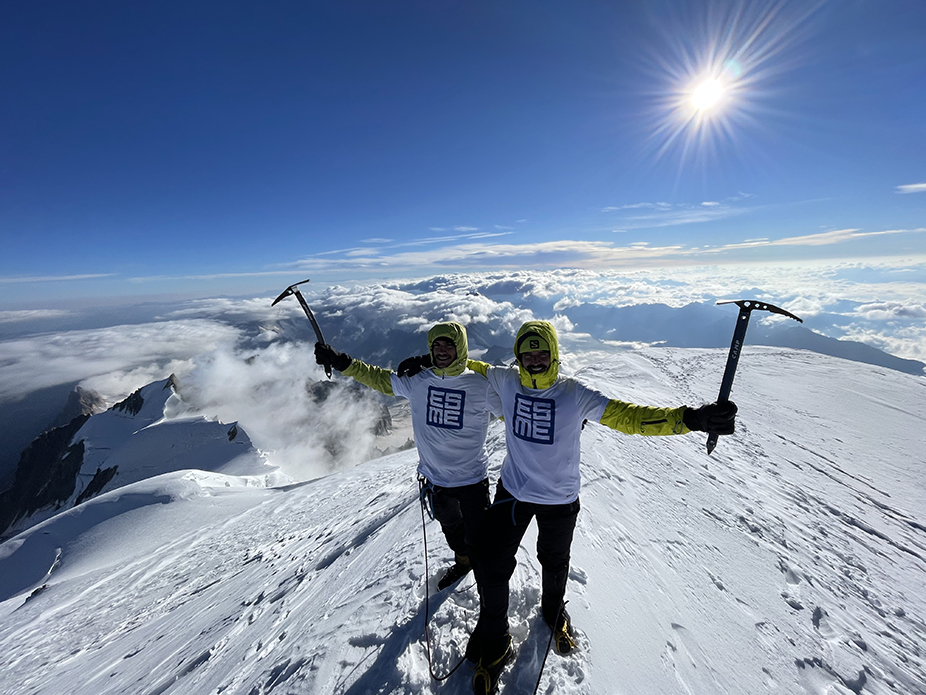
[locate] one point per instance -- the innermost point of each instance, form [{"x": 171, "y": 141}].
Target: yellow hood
[
  {"x": 457, "y": 333},
  {"x": 546, "y": 331}
]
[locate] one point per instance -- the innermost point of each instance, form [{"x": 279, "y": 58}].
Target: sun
[
  {"x": 707, "y": 95},
  {"x": 711, "y": 77}
]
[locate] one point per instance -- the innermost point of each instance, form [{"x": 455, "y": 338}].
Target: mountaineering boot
[
  {"x": 455, "y": 572},
  {"x": 474, "y": 646},
  {"x": 485, "y": 678},
  {"x": 563, "y": 633}
]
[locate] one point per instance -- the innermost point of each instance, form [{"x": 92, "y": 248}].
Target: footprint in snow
[{"x": 579, "y": 575}]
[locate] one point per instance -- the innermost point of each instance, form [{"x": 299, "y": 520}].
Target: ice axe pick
[
  {"x": 294, "y": 290},
  {"x": 747, "y": 306}
]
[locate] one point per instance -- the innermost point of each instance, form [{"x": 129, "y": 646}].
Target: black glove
[
  {"x": 325, "y": 354},
  {"x": 412, "y": 365},
  {"x": 719, "y": 418}
]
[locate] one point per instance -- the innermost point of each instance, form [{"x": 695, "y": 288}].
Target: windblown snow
[{"x": 792, "y": 560}]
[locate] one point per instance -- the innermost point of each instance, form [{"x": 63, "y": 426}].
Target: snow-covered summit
[
  {"x": 129, "y": 442},
  {"x": 792, "y": 560},
  {"x": 135, "y": 440}
]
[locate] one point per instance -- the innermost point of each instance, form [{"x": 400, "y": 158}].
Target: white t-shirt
[
  {"x": 542, "y": 429},
  {"x": 450, "y": 416}
]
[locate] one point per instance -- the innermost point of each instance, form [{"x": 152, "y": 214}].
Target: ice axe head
[
  {"x": 288, "y": 291},
  {"x": 294, "y": 290},
  {"x": 753, "y": 305}
]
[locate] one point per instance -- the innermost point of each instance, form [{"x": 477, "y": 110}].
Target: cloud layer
[
  {"x": 243, "y": 360},
  {"x": 113, "y": 361}
]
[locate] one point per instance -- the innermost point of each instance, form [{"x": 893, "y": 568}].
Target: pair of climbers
[{"x": 451, "y": 397}]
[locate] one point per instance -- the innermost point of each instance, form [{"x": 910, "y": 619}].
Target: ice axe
[
  {"x": 294, "y": 290},
  {"x": 747, "y": 306}
]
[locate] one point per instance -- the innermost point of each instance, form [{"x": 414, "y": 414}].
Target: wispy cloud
[
  {"x": 661, "y": 214},
  {"x": 53, "y": 278},
  {"x": 455, "y": 237},
  {"x": 836, "y": 236},
  {"x": 362, "y": 252},
  {"x": 32, "y": 315},
  {"x": 637, "y": 206},
  {"x": 564, "y": 253},
  {"x": 912, "y": 188}
]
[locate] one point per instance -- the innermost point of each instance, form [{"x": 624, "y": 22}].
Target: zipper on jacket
[{"x": 651, "y": 422}]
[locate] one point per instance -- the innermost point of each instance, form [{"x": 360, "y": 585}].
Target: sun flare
[
  {"x": 715, "y": 74},
  {"x": 707, "y": 95}
]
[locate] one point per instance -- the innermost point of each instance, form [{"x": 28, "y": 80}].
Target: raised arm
[
  {"x": 641, "y": 419},
  {"x": 366, "y": 374},
  {"x": 645, "y": 420}
]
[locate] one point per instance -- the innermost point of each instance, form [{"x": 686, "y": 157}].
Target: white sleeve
[{"x": 493, "y": 401}]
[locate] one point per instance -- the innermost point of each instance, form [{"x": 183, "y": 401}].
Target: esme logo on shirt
[
  {"x": 445, "y": 408},
  {"x": 534, "y": 419}
]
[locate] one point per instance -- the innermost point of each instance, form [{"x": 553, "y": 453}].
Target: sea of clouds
[{"x": 239, "y": 359}]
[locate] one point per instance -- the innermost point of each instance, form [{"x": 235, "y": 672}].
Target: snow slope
[{"x": 793, "y": 560}]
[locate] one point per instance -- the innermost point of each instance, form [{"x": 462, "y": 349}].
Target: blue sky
[{"x": 193, "y": 148}]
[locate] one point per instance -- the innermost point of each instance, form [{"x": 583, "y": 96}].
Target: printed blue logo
[
  {"x": 533, "y": 419},
  {"x": 445, "y": 408}
]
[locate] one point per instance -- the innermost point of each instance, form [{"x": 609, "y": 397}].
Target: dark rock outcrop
[
  {"x": 96, "y": 484},
  {"x": 46, "y": 475},
  {"x": 131, "y": 405}
]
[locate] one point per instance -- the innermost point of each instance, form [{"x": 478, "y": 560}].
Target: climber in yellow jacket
[
  {"x": 544, "y": 414},
  {"x": 450, "y": 405}
]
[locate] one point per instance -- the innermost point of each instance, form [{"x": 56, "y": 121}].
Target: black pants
[
  {"x": 461, "y": 512},
  {"x": 505, "y": 525}
]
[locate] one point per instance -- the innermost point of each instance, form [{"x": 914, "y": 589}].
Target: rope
[
  {"x": 427, "y": 606},
  {"x": 426, "y": 496},
  {"x": 549, "y": 644}
]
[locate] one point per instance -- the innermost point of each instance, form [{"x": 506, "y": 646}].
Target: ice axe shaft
[
  {"x": 294, "y": 290},
  {"x": 747, "y": 306}
]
